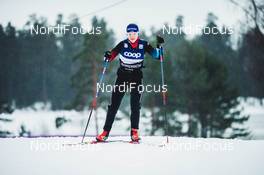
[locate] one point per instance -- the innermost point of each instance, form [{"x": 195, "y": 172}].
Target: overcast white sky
[{"x": 145, "y": 13}]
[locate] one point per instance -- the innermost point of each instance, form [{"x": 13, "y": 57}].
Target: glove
[
  {"x": 107, "y": 56},
  {"x": 160, "y": 40}
]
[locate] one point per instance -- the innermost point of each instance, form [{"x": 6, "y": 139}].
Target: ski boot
[
  {"x": 103, "y": 136},
  {"x": 134, "y": 136}
]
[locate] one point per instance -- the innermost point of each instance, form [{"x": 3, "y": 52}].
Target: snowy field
[
  {"x": 40, "y": 121},
  {"x": 182, "y": 156}
]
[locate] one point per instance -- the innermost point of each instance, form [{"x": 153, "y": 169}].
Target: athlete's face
[{"x": 132, "y": 36}]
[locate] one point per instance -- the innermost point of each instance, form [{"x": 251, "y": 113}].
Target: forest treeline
[{"x": 205, "y": 75}]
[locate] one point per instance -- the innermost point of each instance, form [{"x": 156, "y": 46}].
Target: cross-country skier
[{"x": 131, "y": 56}]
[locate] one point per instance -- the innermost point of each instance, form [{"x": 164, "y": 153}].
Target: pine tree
[
  {"x": 251, "y": 52},
  {"x": 90, "y": 60},
  {"x": 204, "y": 91},
  {"x": 69, "y": 45}
]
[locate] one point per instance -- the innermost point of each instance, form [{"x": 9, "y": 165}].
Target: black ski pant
[{"x": 134, "y": 78}]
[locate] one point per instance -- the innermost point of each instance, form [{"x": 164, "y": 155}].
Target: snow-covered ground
[{"x": 183, "y": 156}]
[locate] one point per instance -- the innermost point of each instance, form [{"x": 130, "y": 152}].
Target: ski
[
  {"x": 115, "y": 141},
  {"x": 134, "y": 142},
  {"x": 130, "y": 142},
  {"x": 74, "y": 144},
  {"x": 111, "y": 141},
  {"x": 94, "y": 142},
  {"x": 107, "y": 141}
]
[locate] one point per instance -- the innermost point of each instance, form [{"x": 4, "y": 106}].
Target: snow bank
[{"x": 43, "y": 122}]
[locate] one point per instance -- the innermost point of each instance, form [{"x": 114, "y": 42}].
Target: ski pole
[
  {"x": 164, "y": 98},
  {"x": 93, "y": 105}
]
